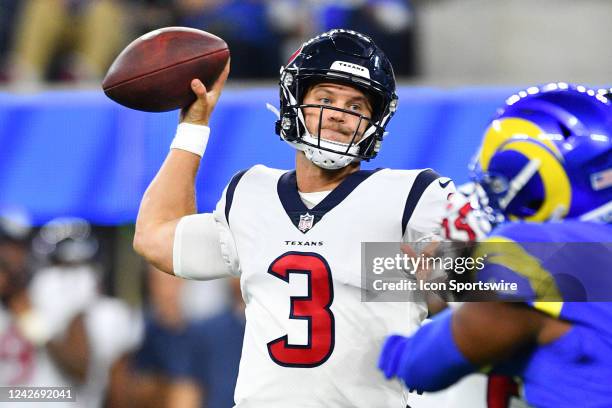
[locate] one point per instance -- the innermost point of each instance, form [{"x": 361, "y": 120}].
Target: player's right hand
[{"x": 198, "y": 113}]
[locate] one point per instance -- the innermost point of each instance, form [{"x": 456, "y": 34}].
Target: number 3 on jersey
[{"x": 314, "y": 308}]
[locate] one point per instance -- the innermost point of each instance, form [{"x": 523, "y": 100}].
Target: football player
[
  {"x": 56, "y": 329},
  {"x": 292, "y": 236},
  {"x": 544, "y": 173}
]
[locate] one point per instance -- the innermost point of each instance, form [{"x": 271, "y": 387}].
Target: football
[{"x": 153, "y": 73}]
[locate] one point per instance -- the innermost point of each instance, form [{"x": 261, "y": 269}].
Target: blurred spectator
[
  {"x": 78, "y": 39},
  {"x": 8, "y": 9},
  {"x": 294, "y": 21},
  {"x": 55, "y": 329},
  {"x": 148, "y": 15},
  {"x": 203, "y": 299},
  {"x": 17, "y": 355},
  {"x": 390, "y": 23},
  {"x": 245, "y": 26},
  {"x": 88, "y": 32},
  {"x": 160, "y": 373},
  {"x": 15, "y": 229},
  {"x": 217, "y": 351},
  {"x": 181, "y": 363}
]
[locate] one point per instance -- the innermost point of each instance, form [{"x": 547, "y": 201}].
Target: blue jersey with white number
[{"x": 565, "y": 270}]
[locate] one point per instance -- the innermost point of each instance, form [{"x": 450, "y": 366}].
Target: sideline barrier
[{"x": 78, "y": 153}]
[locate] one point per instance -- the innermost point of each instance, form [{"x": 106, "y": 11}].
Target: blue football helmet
[
  {"x": 547, "y": 155},
  {"x": 349, "y": 58}
]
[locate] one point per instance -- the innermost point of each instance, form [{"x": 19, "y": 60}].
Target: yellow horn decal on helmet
[
  {"x": 503, "y": 129},
  {"x": 557, "y": 190}
]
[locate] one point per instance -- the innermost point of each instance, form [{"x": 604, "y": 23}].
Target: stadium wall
[{"x": 77, "y": 153}]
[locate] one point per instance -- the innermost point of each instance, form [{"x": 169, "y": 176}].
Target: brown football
[{"x": 153, "y": 73}]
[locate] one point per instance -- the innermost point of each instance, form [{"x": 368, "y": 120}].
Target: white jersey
[{"x": 310, "y": 340}]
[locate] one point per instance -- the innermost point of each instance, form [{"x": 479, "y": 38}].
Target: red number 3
[{"x": 313, "y": 308}]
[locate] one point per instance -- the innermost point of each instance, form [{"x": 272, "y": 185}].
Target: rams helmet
[{"x": 548, "y": 155}]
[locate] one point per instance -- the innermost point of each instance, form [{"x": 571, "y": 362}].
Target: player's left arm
[{"x": 469, "y": 339}]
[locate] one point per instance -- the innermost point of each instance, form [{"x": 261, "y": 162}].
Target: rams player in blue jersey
[{"x": 544, "y": 173}]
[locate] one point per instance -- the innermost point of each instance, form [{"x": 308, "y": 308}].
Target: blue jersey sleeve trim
[
  {"x": 231, "y": 188},
  {"x": 422, "y": 181}
]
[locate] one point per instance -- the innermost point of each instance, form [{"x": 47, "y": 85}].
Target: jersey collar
[{"x": 303, "y": 218}]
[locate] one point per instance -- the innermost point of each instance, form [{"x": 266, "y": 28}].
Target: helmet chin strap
[
  {"x": 324, "y": 158},
  {"x": 334, "y": 155},
  {"x": 332, "y": 159}
]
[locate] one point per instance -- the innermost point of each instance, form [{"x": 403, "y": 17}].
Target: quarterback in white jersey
[{"x": 294, "y": 237}]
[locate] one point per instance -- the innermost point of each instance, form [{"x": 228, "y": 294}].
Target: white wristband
[{"x": 192, "y": 138}]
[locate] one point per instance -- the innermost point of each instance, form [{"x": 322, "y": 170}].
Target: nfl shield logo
[{"x": 306, "y": 222}]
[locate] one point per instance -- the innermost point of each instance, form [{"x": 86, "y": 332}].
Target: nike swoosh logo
[{"x": 446, "y": 183}]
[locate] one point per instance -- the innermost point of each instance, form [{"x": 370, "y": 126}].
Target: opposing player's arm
[
  {"x": 171, "y": 194},
  {"x": 457, "y": 343},
  {"x": 474, "y": 323}
]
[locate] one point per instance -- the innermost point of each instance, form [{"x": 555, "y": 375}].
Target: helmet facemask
[
  {"x": 363, "y": 135},
  {"x": 518, "y": 194}
]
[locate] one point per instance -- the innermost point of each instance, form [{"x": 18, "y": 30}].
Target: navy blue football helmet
[
  {"x": 346, "y": 57},
  {"x": 548, "y": 155}
]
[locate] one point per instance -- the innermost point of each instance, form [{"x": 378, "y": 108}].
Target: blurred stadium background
[{"x": 66, "y": 150}]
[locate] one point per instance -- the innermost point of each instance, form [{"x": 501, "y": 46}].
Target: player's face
[{"x": 336, "y": 126}]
